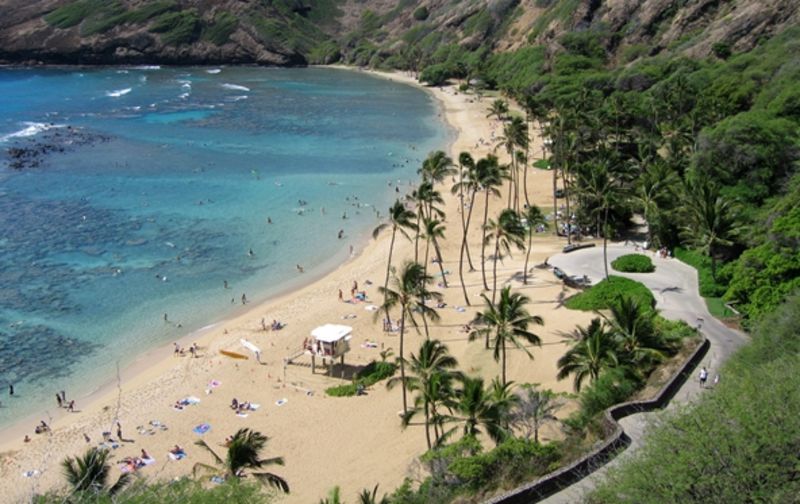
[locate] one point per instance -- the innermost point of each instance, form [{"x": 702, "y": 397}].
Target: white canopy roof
[{"x": 331, "y": 332}]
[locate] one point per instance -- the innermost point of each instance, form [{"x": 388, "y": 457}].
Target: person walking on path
[
  {"x": 703, "y": 377},
  {"x": 716, "y": 380}
]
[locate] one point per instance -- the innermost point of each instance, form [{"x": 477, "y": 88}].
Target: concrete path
[{"x": 674, "y": 285}]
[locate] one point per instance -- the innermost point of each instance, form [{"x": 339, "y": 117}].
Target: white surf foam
[
  {"x": 235, "y": 87},
  {"x": 183, "y": 96},
  {"x": 237, "y": 98},
  {"x": 118, "y": 92},
  {"x": 214, "y": 70},
  {"x": 30, "y": 129}
]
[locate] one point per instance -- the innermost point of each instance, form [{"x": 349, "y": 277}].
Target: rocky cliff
[{"x": 296, "y": 32}]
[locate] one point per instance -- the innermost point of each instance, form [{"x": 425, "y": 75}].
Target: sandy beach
[{"x": 352, "y": 442}]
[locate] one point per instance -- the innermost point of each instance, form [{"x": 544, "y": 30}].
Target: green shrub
[
  {"x": 600, "y": 296},
  {"x": 177, "y": 28},
  {"x": 221, "y": 30},
  {"x": 370, "y": 375},
  {"x": 421, "y": 14},
  {"x": 73, "y": 13},
  {"x": 435, "y": 75},
  {"x": 633, "y": 263},
  {"x": 611, "y": 387}
]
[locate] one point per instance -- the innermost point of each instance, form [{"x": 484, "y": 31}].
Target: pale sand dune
[{"x": 352, "y": 442}]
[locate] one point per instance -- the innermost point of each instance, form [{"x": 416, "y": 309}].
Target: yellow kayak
[{"x": 233, "y": 355}]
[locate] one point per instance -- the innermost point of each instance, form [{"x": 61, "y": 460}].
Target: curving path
[{"x": 674, "y": 285}]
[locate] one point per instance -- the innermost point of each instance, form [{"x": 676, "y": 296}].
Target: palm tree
[
  {"x": 506, "y": 231},
  {"x": 499, "y": 109},
  {"x": 633, "y": 327},
  {"x": 474, "y": 407},
  {"x": 367, "y": 497},
  {"x": 434, "y": 229},
  {"x": 508, "y": 322},
  {"x": 505, "y": 400},
  {"x": 90, "y": 472},
  {"x": 490, "y": 176},
  {"x": 593, "y": 352},
  {"x": 400, "y": 218},
  {"x": 515, "y": 134},
  {"x": 334, "y": 496},
  {"x": 534, "y": 409},
  {"x": 436, "y": 167},
  {"x": 711, "y": 219},
  {"x": 243, "y": 454},
  {"x": 427, "y": 369},
  {"x": 534, "y": 218},
  {"x": 425, "y": 197},
  {"x": 654, "y": 189},
  {"x": 409, "y": 286},
  {"x": 466, "y": 184}
]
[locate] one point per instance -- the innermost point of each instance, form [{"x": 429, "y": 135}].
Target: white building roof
[{"x": 331, "y": 332}]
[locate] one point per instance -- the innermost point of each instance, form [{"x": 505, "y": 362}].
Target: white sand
[{"x": 352, "y": 442}]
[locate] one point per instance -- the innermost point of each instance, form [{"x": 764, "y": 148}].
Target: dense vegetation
[
  {"x": 739, "y": 443},
  {"x": 633, "y": 263},
  {"x": 600, "y": 296},
  {"x": 371, "y": 374}
]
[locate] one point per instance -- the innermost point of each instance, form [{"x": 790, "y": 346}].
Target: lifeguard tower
[{"x": 329, "y": 341}]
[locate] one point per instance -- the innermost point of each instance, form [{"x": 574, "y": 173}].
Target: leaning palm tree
[
  {"x": 89, "y": 473},
  {"x": 367, "y": 497},
  {"x": 243, "y": 454},
  {"x": 508, "y": 322},
  {"x": 430, "y": 372},
  {"x": 533, "y": 219},
  {"x": 400, "y": 219},
  {"x": 515, "y": 134},
  {"x": 434, "y": 230},
  {"x": 410, "y": 284},
  {"x": 490, "y": 176},
  {"x": 593, "y": 352},
  {"x": 467, "y": 185},
  {"x": 425, "y": 199},
  {"x": 504, "y": 232}
]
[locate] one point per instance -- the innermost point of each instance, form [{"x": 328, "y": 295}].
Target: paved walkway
[{"x": 674, "y": 285}]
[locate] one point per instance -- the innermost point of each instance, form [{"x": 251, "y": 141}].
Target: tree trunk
[
  {"x": 503, "y": 356},
  {"x": 483, "y": 241},
  {"x": 427, "y": 425},
  {"x": 402, "y": 360},
  {"x": 440, "y": 260},
  {"x": 527, "y": 254},
  {"x": 425, "y": 269},
  {"x": 566, "y": 198},
  {"x": 525, "y": 179},
  {"x": 555, "y": 200},
  {"x": 461, "y": 272},
  {"x": 605, "y": 242},
  {"x": 388, "y": 268},
  {"x": 416, "y": 236},
  {"x": 466, "y": 236},
  {"x": 494, "y": 268}
]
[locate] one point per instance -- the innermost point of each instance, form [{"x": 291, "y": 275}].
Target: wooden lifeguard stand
[{"x": 329, "y": 341}]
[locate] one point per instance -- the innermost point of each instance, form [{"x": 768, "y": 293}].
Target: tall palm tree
[
  {"x": 436, "y": 167},
  {"x": 505, "y": 232},
  {"x": 711, "y": 219},
  {"x": 507, "y": 321},
  {"x": 653, "y": 191},
  {"x": 243, "y": 454},
  {"x": 466, "y": 185},
  {"x": 475, "y": 407},
  {"x": 534, "y": 218},
  {"x": 593, "y": 352},
  {"x": 90, "y": 472},
  {"x": 633, "y": 327},
  {"x": 515, "y": 134},
  {"x": 400, "y": 219},
  {"x": 505, "y": 400},
  {"x": 425, "y": 198},
  {"x": 410, "y": 284},
  {"x": 534, "y": 409},
  {"x": 427, "y": 369},
  {"x": 490, "y": 176}
]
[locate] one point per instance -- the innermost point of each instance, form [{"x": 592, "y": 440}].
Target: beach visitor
[
  {"x": 87, "y": 438},
  {"x": 341, "y": 296},
  {"x": 71, "y": 406},
  {"x": 193, "y": 351},
  {"x": 27, "y": 438},
  {"x": 224, "y": 284},
  {"x": 63, "y": 396},
  {"x": 11, "y": 389},
  {"x": 703, "y": 377},
  {"x": 145, "y": 455},
  {"x": 165, "y": 318},
  {"x": 716, "y": 380},
  {"x": 263, "y": 324},
  {"x": 58, "y": 399},
  {"x": 177, "y": 350},
  {"x": 244, "y": 299},
  {"x": 119, "y": 431},
  {"x": 299, "y": 268}
]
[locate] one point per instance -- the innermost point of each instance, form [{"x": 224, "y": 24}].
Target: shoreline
[{"x": 299, "y": 431}]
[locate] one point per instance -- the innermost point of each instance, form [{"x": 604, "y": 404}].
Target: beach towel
[
  {"x": 281, "y": 402},
  {"x": 31, "y": 474},
  {"x": 177, "y": 456},
  {"x": 369, "y": 344},
  {"x": 201, "y": 429},
  {"x": 371, "y": 307},
  {"x": 242, "y": 415}
]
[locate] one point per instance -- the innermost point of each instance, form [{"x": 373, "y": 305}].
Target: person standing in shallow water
[
  {"x": 11, "y": 389},
  {"x": 244, "y": 299}
]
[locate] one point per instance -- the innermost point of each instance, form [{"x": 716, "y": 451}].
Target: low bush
[
  {"x": 177, "y": 28},
  {"x": 600, "y": 296},
  {"x": 708, "y": 286},
  {"x": 633, "y": 263},
  {"x": 611, "y": 387},
  {"x": 370, "y": 375}
]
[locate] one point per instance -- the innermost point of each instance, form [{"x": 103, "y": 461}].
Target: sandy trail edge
[{"x": 351, "y": 442}]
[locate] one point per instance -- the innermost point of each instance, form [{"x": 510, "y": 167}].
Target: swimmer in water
[{"x": 250, "y": 253}]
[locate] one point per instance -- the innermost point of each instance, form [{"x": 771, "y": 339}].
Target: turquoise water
[{"x": 161, "y": 188}]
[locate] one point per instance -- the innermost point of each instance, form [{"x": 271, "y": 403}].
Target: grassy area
[
  {"x": 370, "y": 375},
  {"x": 711, "y": 290},
  {"x": 607, "y": 291},
  {"x": 633, "y": 263},
  {"x": 738, "y": 443}
]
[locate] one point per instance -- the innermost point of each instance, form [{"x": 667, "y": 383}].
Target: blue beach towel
[{"x": 202, "y": 428}]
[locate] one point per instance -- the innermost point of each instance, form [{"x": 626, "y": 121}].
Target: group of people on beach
[{"x": 179, "y": 351}]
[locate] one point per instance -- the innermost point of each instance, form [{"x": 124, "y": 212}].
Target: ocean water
[{"x": 145, "y": 189}]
